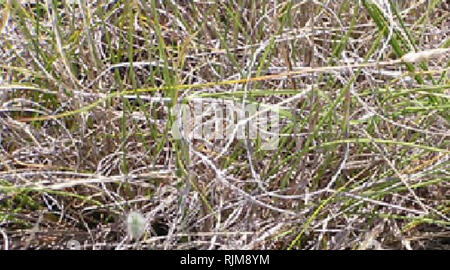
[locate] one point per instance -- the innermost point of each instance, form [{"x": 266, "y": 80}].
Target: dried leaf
[{"x": 413, "y": 57}]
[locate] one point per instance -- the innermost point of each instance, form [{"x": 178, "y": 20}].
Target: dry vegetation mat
[{"x": 348, "y": 149}]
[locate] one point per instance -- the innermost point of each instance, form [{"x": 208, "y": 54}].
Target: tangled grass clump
[{"x": 88, "y": 89}]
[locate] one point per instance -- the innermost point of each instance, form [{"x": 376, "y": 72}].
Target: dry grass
[{"x": 86, "y": 90}]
